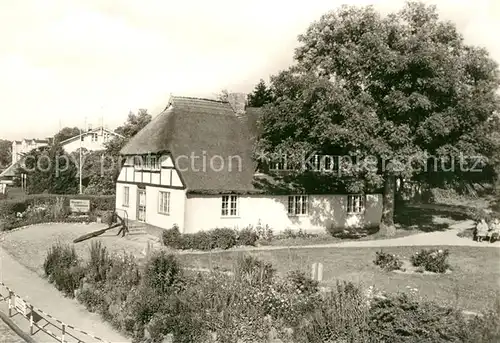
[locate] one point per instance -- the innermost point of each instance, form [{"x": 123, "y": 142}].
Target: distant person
[
  {"x": 494, "y": 231},
  {"x": 481, "y": 230}
]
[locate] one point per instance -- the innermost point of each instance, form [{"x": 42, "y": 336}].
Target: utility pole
[{"x": 80, "y": 165}]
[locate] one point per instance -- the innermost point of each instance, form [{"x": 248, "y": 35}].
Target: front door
[{"x": 141, "y": 205}]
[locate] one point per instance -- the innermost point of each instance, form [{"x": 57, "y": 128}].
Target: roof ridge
[{"x": 196, "y": 98}]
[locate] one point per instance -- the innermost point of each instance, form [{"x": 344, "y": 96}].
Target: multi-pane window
[
  {"x": 297, "y": 205},
  {"x": 355, "y": 203},
  {"x": 147, "y": 162},
  {"x": 164, "y": 202},
  {"x": 154, "y": 163},
  {"x": 138, "y": 162},
  {"x": 229, "y": 206},
  {"x": 94, "y": 137},
  {"x": 126, "y": 196}
]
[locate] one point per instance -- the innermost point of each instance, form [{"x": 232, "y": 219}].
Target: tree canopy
[
  {"x": 5, "y": 153},
  {"x": 402, "y": 90},
  {"x": 50, "y": 170},
  {"x": 66, "y": 133},
  {"x": 260, "y": 96},
  {"x": 134, "y": 123}
]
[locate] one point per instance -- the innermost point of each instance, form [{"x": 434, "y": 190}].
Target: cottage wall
[{"x": 203, "y": 212}]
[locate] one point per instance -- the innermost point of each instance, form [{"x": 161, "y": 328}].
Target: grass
[
  {"x": 324, "y": 238},
  {"x": 409, "y": 220},
  {"x": 472, "y": 285}
]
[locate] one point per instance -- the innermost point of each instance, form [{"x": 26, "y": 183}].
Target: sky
[{"x": 71, "y": 62}]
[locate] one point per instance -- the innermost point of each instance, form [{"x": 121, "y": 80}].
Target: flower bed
[
  {"x": 253, "y": 304},
  {"x": 432, "y": 260},
  {"x": 388, "y": 262}
]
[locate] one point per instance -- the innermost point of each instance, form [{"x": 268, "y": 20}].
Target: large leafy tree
[
  {"x": 66, "y": 133},
  {"x": 398, "y": 92},
  {"x": 50, "y": 170}
]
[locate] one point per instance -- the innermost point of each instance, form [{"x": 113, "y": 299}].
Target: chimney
[{"x": 238, "y": 102}]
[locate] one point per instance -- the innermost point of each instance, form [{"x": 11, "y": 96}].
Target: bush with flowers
[
  {"x": 158, "y": 299},
  {"x": 432, "y": 260},
  {"x": 388, "y": 262}
]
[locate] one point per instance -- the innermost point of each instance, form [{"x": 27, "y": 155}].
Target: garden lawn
[{"x": 472, "y": 285}]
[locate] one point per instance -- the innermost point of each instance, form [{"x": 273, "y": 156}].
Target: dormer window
[{"x": 148, "y": 162}]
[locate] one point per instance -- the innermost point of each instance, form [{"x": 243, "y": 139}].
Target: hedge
[{"x": 97, "y": 202}]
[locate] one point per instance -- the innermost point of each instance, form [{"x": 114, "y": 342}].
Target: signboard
[
  {"x": 80, "y": 206},
  {"x": 21, "y": 306}
]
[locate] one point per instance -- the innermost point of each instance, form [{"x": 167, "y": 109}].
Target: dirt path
[
  {"x": 45, "y": 296},
  {"x": 440, "y": 238}
]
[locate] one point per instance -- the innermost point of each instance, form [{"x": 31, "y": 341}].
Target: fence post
[
  {"x": 31, "y": 319},
  {"x": 314, "y": 270},
  {"x": 320, "y": 272},
  {"x": 63, "y": 332},
  {"x": 10, "y": 303}
]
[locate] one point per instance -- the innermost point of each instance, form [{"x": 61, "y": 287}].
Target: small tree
[
  {"x": 134, "y": 123},
  {"x": 5, "y": 153},
  {"x": 260, "y": 96}
]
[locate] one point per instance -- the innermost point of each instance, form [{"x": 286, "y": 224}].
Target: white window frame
[
  {"x": 138, "y": 166},
  {"x": 229, "y": 206},
  {"x": 95, "y": 137},
  {"x": 298, "y": 205},
  {"x": 126, "y": 196},
  {"x": 164, "y": 203},
  {"x": 356, "y": 203}
]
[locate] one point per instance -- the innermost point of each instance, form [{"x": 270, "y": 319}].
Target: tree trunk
[{"x": 387, "y": 227}]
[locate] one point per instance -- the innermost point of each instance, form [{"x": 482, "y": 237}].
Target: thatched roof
[{"x": 209, "y": 130}]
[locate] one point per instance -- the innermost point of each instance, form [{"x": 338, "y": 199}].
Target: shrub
[
  {"x": 432, "y": 260},
  {"x": 99, "y": 263},
  {"x": 172, "y": 238},
  {"x": 293, "y": 234},
  {"x": 388, "y": 262},
  {"x": 58, "y": 254},
  {"x": 254, "y": 271},
  {"x": 97, "y": 203},
  {"x": 302, "y": 283},
  {"x": 264, "y": 232},
  {"x": 63, "y": 268},
  {"x": 223, "y": 238},
  {"x": 163, "y": 272},
  {"x": 399, "y": 318},
  {"x": 247, "y": 237},
  {"x": 339, "y": 316},
  {"x": 484, "y": 329}
]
